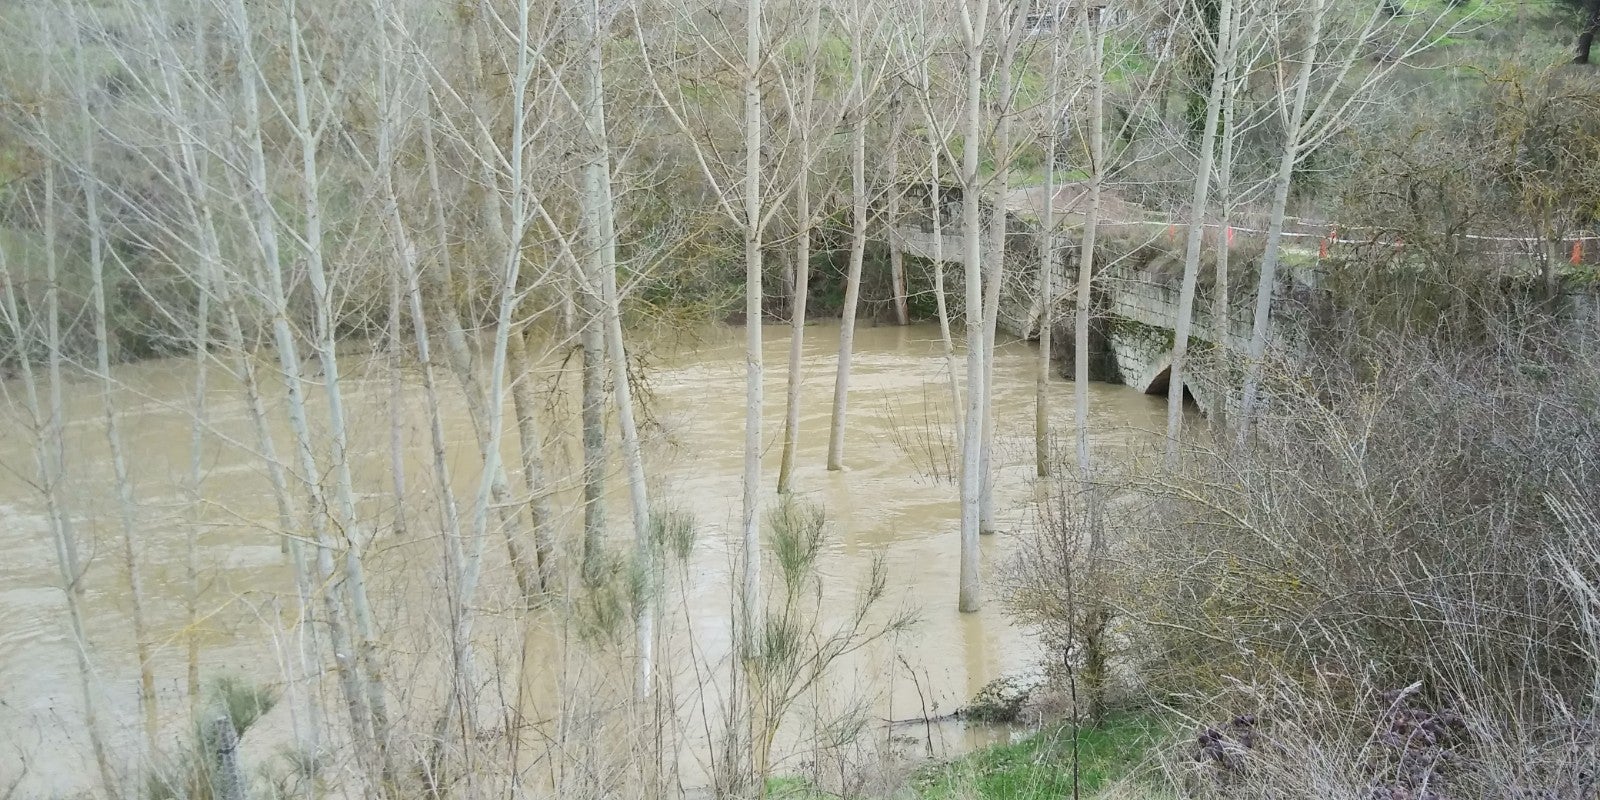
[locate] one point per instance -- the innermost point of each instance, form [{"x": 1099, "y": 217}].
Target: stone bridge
[{"x": 1135, "y": 309}]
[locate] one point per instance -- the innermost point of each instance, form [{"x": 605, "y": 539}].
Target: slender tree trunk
[
  {"x": 407, "y": 270},
  {"x": 126, "y": 508},
  {"x": 459, "y": 354},
  {"x": 1096, "y": 614},
  {"x": 590, "y": 302},
  {"x": 1091, "y": 227},
  {"x": 1219, "y": 294},
  {"x": 304, "y": 698},
  {"x": 1221, "y": 302},
  {"x": 597, "y": 188},
  {"x": 970, "y": 598},
  {"x": 526, "y": 408},
  {"x": 397, "y": 407},
  {"x": 750, "y": 585},
  {"x": 1197, "y": 212},
  {"x": 344, "y": 489},
  {"x": 1001, "y": 187},
  {"x": 632, "y": 459},
  {"x": 50, "y": 463},
  {"x": 460, "y": 647},
  {"x": 516, "y": 198},
  {"x": 289, "y": 360},
  {"x": 592, "y": 339},
  {"x": 858, "y": 247},
  {"x": 897, "y": 260},
  {"x": 802, "y": 259},
  {"x": 744, "y": 713},
  {"x": 936, "y": 205},
  {"x": 306, "y": 717},
  {"x": 1268, "y": 279},
  {"x": 1047, "y": 268}
]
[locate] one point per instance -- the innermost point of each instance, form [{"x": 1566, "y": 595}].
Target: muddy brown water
[{"x": 894, "y": 502}]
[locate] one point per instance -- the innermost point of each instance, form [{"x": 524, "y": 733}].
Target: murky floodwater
[{"x": 895, "y": 502}]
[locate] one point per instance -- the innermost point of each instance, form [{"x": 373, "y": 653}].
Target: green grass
[
  {"x": 1040, "y": 766},
  {"x": 1035, "y": 768}
]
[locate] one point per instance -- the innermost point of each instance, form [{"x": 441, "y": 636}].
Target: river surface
[{"x": 894, "y": 502}]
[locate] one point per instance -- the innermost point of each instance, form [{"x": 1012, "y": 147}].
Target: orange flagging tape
[{"x": 1577, "y": 252}]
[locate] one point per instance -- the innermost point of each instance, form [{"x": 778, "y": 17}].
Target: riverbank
[{"x": 1115, "y": 758}]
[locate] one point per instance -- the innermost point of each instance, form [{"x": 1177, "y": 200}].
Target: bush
[
  {"x": 192, "y": 774},
  {"x": 1392, "y": 590}
]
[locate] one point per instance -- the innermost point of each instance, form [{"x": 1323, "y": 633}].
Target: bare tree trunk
[
  {"x": 858, "y": 247},
  {"x": 897, "y": 265},
  {"x": 1219, "y": 293},
  {"x": 632, "y": 456},
  {"x": 1294, "y": 128},
  {"x": 323, "y": 333},
  {"x": 407, "y": 270},
  {"x": 308, "y": 729},
  {"x": 1091, "y": 226},
  {"x": 936, "y": 205},
  {"x": 516, "y": 198},
  {"x": 49, "y": 460},
  {"x": 289, "y": 361},
  {"x": 1094, "y": 618},
  {"x": 1001, "y": 186},
  {"x": 1197, "y": 211},
  {"x": 460, "y": 647},
  {"x": 1221, "y": 302},
  {"x": 591, "y": 305},
  {"x": 802, "y": 265},
  {"x": 126, "y": 508},
  {"x": 525, "y": 407},
  {"x": 970, "y": 598},
  {"x": 598, "y": 220},
  {"x": 592, "y": 337},
  {"x": 1047, "y": 267},
  {"x": 459, "y": 356},
  {"x": 397, "y": 409}
]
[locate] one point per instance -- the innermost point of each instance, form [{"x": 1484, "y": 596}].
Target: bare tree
[
  {"x": 1095, "y": 27},
  {"x": 1000, "y": 188},
  {"x": 126, "y": 507},
  {"x": 803, "y": 116},
  {"x": 46, "y": 424},
  {"x": 1197, "y": 211},
  {"x": 265, "y": 223},
  {"x": 919, "y": 53},
  {"x": 863, "y": 92},
  {"x": 975, "y": 22},
  {"x": 1310, "y": 119},
  {"x": 600, "y": 213},
  {"x": 891, "y": 211}
]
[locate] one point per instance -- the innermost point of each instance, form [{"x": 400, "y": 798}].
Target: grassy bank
[{"x": 1112, "y": 759}]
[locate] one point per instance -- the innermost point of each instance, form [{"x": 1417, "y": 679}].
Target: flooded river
[{"x": 895, "y": 501}]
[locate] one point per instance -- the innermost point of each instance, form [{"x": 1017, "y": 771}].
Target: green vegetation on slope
[{"x": 1110, "y": 754}]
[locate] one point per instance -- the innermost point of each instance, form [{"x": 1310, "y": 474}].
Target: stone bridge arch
[{"x": 1156, "y": 379}]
